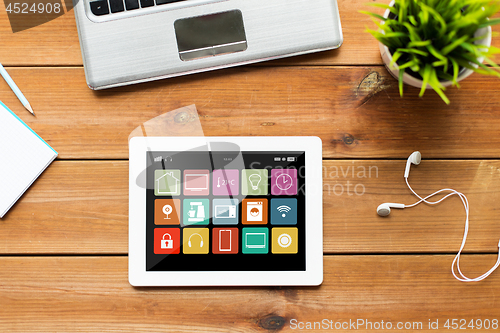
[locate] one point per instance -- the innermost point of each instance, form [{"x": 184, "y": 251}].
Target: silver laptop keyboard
[{"x": 105, "y": 7}]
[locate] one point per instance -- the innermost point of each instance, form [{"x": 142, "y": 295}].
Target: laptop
[{"x": 131, "y": 41}]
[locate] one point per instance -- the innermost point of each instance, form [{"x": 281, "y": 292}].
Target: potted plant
[{"x": 433, "y": 44}]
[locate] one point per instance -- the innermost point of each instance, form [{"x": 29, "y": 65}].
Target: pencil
[{"x": 16, "y": 90}]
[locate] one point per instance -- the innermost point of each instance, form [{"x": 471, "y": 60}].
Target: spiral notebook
[{"x": 23, "y": 157}]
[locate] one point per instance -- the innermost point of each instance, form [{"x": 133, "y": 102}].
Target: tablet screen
[{"x": 204, "y": 212}]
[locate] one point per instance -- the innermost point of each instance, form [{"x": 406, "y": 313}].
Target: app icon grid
[{"x": 259, "y": 235}]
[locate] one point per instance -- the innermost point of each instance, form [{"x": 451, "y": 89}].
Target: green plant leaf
[
  {"x": 456, "y": 70},
  {"x": 412, "y": 20},
  {"x": 447, "y": 49},
  {"x": 436, "y": 16},
  {"x": 426, "y": 75},
  {"x": 422, "y": 43},
  {"x": 493, "y": 64},
  {"x": 380, "y": 24},
  {"x": 384, "y": 6},
  {"x": 443, "y": 60},
  {"x": 445, "y": 76},
  {"x": 395, "y": 35},
  {"x": 473, "y": 49},
  {"x": 489, "y": 23},
  {"x": 402, "y": 11},
  {"x": 409, "y": 64},
  {"x": 415, "y": 51},
  {"x": 380, "y": 17},
  {"x": 436, "y": 38},
  {"x": 437, "y": 86},
  {"x": 401, "y": 74}
]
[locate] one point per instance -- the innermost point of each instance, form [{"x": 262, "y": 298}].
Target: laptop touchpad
[{"x": 210, "y": 35}]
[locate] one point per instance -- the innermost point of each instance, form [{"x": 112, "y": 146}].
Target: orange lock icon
[{"x": 167, "y": 243}]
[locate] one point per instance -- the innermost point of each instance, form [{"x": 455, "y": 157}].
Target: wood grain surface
[
  {"x": 63, "y": 246},
  {"x": 55, "y": 43},
  {"x": 82, "y": 207},
  {"x": 83, "y": 294},
  {"x": 356, "y": 111}
]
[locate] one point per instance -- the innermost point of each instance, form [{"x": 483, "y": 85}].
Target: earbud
[
  {"x": 414, "y": 158},
  {"x": 385, "y": 208}
]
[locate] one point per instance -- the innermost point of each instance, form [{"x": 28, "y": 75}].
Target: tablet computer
[{"x": 225, "y": 211}]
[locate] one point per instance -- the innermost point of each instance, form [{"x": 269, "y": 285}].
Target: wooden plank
[
  {"x": 51, "y": 44},
  {"x": 78, "y": 294},
  {"x": 354, "y": 189},
  {"x": 56, "y": 42},
  {"x": 356, "y": 111},
  {"x": 82, "y": 207}
]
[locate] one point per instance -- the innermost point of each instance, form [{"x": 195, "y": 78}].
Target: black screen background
[{"x": 225, "y": 262}]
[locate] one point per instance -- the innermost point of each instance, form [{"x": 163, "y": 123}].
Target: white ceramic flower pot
[{"x": 412, "y": 81}]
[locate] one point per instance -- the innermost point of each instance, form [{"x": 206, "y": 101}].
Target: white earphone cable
[{"x": 456, "y": 260}]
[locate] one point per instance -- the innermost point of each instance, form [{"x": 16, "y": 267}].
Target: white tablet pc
[{"x": 225, "y": 211}]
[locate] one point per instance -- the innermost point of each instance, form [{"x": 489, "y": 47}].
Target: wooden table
[{"x": 63, "y": 247}]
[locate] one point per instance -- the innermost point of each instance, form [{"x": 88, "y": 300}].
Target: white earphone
[{"x": 385, "y": 209}]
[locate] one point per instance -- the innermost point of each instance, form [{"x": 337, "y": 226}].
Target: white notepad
[{"x": 23, "y": 157}]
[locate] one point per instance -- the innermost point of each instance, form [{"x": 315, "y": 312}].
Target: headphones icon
[
  {"x": 385, "y": 209},
  {"x": 201, "y": 241}
]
